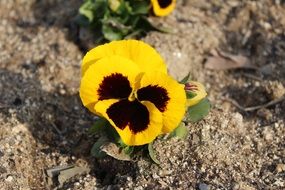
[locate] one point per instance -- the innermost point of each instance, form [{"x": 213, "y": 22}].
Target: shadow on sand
[{"x": 59, "y": 123}]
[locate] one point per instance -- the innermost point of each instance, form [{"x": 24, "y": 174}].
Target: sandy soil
[{"x": 43, "y": 124}]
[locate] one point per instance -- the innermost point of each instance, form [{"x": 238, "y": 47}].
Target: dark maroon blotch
[
  {"x": 155, "y": 94},
  {"x": 164, "y": 3},
  {"x": 114, "y": 86},
  {"x": 133, "y": 113}
]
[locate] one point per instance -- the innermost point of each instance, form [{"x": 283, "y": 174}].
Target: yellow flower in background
[
  {"x": 198, "y": 91},
  {"x": 163, "y": 7},
  {"x": 114, "y": 4},
  {"x": 140, "y": 101},
  {"x": 142, "y": 54}
]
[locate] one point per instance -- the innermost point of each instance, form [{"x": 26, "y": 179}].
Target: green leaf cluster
[{"x": 116, "y": 19}]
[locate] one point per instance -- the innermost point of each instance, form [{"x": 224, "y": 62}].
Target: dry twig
[{"x": 253, "y": 108}]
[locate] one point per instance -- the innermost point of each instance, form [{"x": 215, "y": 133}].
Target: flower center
[{"x": 132, "y": 96}]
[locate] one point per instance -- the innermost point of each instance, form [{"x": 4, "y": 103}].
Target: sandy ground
[{"x": 43, "y": 124}]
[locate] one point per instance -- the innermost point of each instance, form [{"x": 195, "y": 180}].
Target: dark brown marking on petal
[
  {"x": 125, "y": 113},
  {"x": 114, "y": 86},
  {"x": 155, "y": 94},
  {"x": 164, "y": 3}
]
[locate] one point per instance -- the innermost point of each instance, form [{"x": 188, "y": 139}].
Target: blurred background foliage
[{"x": 116, "y": 19}]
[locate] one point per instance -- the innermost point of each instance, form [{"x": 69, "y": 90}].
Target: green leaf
[
  {"x": 87, "y": 10},
  {"x": 111, "y": 133},
  {"x": 152, "y": 153},
  {"x": 185, "y": 79},
  {"x": 116, "y": 24},
  {"x": 96, "y": 148},
  {"x": 100, "y": 7},
  {"x": 98, "y": 125},
  {"x": 190, "y": 95},
  {"x": 82, "y": 20},
  {"x": 199, "y": 111},
  {"x": 110, "y": 33},
  {"x": 93, "y": 9},
  {"x": 134, "y": 34},
  {"x": 181, "y": 131},
  {"x": 140, "y": 7},
  {"x": 120, "y": 142},
  {"x": 128, "y": 150}
]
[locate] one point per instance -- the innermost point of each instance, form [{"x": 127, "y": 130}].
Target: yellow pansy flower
[
  {"x": 142, "y": 54},
  {"x": 140, "y": 105},
  {"x": 199, "y": 91},
  {"x": 114, "y": 4},
  {"x": 163, "y": 7}
]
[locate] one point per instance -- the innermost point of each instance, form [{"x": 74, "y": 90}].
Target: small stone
[
  {"x": 266, "y": 25},
  {"x": 62, "y": 91},
  {"x": 155, "y": 176},
  {"x": 202, "y": 169},
  {"x": 226, "y": 106},
  {"x": 265, "y": 113},
  {"x": 2, "y": 170},
  {"x": 9, "y": 178},
  {"x": 224, "y": 123},
  {"x": 237, "y": 119},
  {"x": 267, "y": 69},
  {"x": 268, "y": 133},
  {"x": 275, "y": 89},
  {"x": 203, "y": 186},
  {"x": 164, "y": 173},
  {"x": 236, "y": 186},
  {"x": 280, "y": 168}
]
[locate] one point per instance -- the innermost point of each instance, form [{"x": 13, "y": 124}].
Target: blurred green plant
[{"x": 116, "y": 19}]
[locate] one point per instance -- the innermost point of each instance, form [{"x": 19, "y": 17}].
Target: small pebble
[
  {"x": 155, "y": 176},
  {"x": 236, "y": 186},
  {"x": 265, "y": 113},
  {"x": 280, "y": 168},
  {"x": 2, "y": 170},
  {"x": 203, "y": 186},
  {"x": 164, "y": 173},
  {"x": 9, "y": 178}
]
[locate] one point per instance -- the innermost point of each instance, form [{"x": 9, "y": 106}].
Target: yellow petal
[
  {"x": 111, "y": 77},
  {"x": 129, "y": 118},
  {"x": 167, "y": 95},
  {"x": 114, "y": 4},
  {"x": 200, "y": 92},
  {"x": 142, "y": 54},
  {"x": 163, "y": 7}
]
